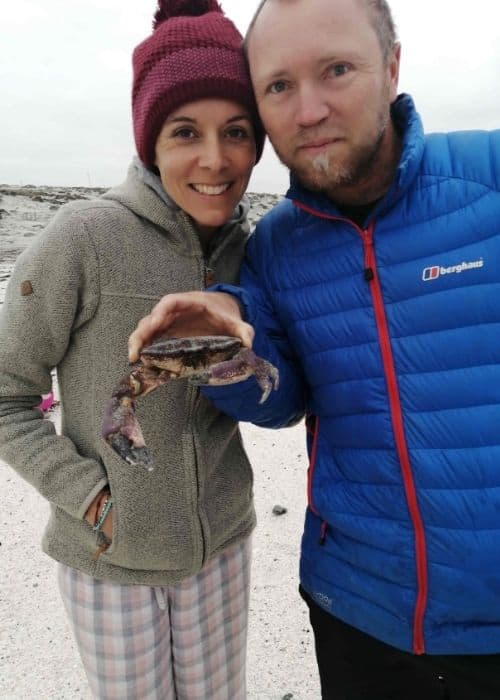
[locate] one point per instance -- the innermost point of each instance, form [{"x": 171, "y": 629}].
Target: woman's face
[{"x": 205, "y": 153}]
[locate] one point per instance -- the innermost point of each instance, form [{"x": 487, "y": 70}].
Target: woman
[{"x": 153, "y": 568}]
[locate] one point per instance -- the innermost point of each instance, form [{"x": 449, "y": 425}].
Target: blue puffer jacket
[{"x": 388, "y": 336}]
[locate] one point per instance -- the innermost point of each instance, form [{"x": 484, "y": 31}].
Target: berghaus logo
[{"x": 435, "y": 271}]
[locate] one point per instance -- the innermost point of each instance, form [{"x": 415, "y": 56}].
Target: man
[{"x": 374, "y": 289}]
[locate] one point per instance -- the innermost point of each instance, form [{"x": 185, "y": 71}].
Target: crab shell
[{"x": 185, "y": 356}]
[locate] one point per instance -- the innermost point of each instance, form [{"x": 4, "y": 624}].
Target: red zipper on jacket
[
  {"x": 312, "y": 427},
  {"x": 314, "y": 431},
  {"x": 371, "y": 277}
]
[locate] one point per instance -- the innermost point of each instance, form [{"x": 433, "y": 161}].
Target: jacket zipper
[
  {"x": 371, "y": 277},
  {"x": 312, "y": 427},
  {"x": 193, "y": 397},
  {"x": 207, "y": 279},
  {"x": 209, "y": 276}
]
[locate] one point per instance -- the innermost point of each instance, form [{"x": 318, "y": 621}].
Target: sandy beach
[{"x": 38, "y": 658}]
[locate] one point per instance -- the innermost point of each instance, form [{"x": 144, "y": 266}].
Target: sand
[{"x": 38, "y": 658}]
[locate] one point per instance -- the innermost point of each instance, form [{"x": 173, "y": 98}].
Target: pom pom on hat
[
  {"x": 195, "y": 52},
  {"x": 174, "y": 8}
]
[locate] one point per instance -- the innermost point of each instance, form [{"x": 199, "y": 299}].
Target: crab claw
[
  {"x": 129, "y": 452},
  {"x": 243, "y": 365},
  {"x": 123, "y": 433},
  {"x": 267, "y": 377},
  {"x": 120, "y": 428}
]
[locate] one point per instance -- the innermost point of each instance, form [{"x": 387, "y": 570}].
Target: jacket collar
[
  {"x": 142, "y": 193},
  {"x": 409, "y": 125}
]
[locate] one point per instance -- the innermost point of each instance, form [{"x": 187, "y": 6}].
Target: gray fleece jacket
[{"x": 72, "y": 301}]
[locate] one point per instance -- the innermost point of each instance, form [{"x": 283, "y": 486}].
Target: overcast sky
[{"x": 65, "y": 81}]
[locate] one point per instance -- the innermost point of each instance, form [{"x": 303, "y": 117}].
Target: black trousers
[{"x": 354, "y": 666}]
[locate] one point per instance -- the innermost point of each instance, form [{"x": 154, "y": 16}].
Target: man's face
[{"x": 323, "y": 88}]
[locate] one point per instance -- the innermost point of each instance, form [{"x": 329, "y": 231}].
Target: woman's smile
[{"x": 211, "y": 190}]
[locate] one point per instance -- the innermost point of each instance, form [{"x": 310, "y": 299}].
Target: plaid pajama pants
[{"x": 179, "y": 642}]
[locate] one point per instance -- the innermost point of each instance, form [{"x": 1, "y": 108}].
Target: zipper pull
[
  {"x": 368, "y": 274},
  {"x": 322, "y": 533},
  {"x": 209, "y": 277}
]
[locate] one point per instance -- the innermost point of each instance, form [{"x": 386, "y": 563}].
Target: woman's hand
[{"x": 191, "y": 313}]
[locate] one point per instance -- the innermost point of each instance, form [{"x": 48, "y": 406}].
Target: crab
[{"x": 212, "y": 360}]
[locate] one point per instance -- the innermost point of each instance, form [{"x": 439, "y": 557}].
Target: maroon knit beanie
[{"x": 194, "y": 52}]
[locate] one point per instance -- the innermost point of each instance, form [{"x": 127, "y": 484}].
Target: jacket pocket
[{"x": 148, "y": 532}]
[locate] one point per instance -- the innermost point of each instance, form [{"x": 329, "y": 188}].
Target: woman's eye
[
  {"x": 238, "y": 133},
  {"x": 277, "y": 87},
  {"x": 184, "y": 133}
]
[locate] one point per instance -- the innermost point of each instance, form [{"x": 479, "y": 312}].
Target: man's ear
[{"x": 393, "y": 68}]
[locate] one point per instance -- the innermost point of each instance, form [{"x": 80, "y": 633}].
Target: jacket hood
[{"x": 142, "y": 193}]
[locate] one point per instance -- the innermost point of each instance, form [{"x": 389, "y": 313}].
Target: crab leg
[
  {"x": 240, "y": 367},
  {"x": 120, "y": 427}
]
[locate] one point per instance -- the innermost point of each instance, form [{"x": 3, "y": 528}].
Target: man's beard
[{"x": 325, "y": 173}]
